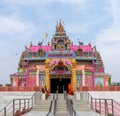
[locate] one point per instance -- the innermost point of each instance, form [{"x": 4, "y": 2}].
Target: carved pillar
[
  {"x": 37, "y": 76},
  {"x": 83, "y": 75},
  {"x": 48, "y": 79},
  {"x": 27, "y": 75},
  {"x": 47, "y": 74},
  {"x": 73, "y": 81}
]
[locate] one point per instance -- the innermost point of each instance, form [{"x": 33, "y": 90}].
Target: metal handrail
[
  {"x": 70, "y": 105},
  {"x": 53, "y": 105},
  {"x": 18, "y": 106},
  {"x": 107, "y": 107}
]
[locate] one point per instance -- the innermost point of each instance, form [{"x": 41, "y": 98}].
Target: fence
[
  {"x": 110, "y": 88},
  {"x": 9, "y": 88},
  {"x": 106, "y": 107},
  {"x": 17, "y": 107}
]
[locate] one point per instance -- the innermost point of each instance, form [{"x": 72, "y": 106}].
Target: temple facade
[{"x": 60, "y": 63}]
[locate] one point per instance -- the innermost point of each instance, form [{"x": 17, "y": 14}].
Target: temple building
[{"x": 60, "y": 63}]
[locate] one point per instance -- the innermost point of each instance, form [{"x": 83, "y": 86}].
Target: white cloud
[
  {"x": 115, "y": 8},
  {"x": 76, "y": 2},
  {"x": 9, "y": 25},
  {"x": 110, "y": 34},
  {"x": 83, "y": 27},
  {"x": 108, "y": 42},
  {"x": 79, "y": 4},
  {"x": 29, "y": 2},
  {"x": 33, "y": 2}
]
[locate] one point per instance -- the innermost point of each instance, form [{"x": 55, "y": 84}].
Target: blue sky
[{"x": 92, "y": 21}]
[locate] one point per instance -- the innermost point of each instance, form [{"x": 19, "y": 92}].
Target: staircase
[
  {"x": 80, "y": 105},
  {"x": 42, "y": 105},
  {"x": 61, "y": 109}
]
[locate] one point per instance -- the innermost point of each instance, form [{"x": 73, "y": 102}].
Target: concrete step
[
  {"x": 81, "y": 106},
  {"x": 61, "y": 105},
  {"x": 65, "y": 109},
  {"x": 62, "y": 113},
  {"x": 42, "y": 105},
  {"x": 41, "y": 108}
]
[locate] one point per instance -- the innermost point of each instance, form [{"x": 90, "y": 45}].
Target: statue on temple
[
  {"x": 31, "y": 43},
  {"x": 89, "y": 44},
  {"x": 80, "y": 43},
  {"x": 94, "y": 49},
  {"x": 67, "y": 44},
  {"x": 26, "y": 48},
  {"x": 60, "y": 27},
  {"x": 48, "y": 43},
  {"x": 40, "y": 43},
  {"x": 53, "y": 44},
  {"x": 71, "y": 43}
]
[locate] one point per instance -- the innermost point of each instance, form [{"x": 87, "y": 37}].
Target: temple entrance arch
[{"x": 60, "y": 77}]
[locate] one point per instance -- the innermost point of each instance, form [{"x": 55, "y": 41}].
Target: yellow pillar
[
  {"x": 47, "y": 81},
  {"x": 73, "y": 81}
]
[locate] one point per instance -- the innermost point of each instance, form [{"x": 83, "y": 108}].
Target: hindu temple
[{"x": 60, "y": 63}]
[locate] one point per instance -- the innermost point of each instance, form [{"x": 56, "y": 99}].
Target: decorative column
[
  {"x": 93, "y": 76},
  {"x": 83, "y": 75},
  {"x": 73, "y": 80},
  {"x": 27, "y": 75},
  {"x": 47, "y": 74},
  {"x": 37, "y": 76}
]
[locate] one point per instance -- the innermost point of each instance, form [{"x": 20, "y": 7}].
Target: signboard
[
  {"x": 60, "y": 72},
  {"x": 60, "y": 55}
]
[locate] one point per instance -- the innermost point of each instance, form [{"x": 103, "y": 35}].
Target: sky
[{"x": 92, "y": 21}]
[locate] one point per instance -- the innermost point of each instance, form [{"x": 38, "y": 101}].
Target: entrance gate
[{"x": 59, "y": 84}]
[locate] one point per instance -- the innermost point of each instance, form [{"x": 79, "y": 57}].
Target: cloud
[
  {"x": 11, "y": 25},
  {"x": 108, "y": 41},
  {"x": 80, "y": 4},
  {"x": 115, "y": 8},
  {"x": 73, "y": 2},
  {"x": 33, "y": 2}
]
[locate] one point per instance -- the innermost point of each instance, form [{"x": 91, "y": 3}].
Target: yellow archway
[{"x": 70, "y": 68}]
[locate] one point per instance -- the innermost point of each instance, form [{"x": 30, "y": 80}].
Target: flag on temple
[{"x": 46, "y": 36}]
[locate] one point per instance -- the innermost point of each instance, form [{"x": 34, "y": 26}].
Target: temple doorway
[
  {"x": 59, "y": 84},
  {"x": 60, "y": 77}
]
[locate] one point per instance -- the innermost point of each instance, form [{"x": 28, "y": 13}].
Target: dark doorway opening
[{"x": 60, "y": 84}]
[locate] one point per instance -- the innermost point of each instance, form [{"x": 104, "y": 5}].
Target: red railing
[
  {"x": 111, "y": 88},
  {"x": 3, "y": 89},
  {"x": 106, "y": 107}
]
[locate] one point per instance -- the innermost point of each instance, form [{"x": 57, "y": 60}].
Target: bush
[
  {"x": 1, "y": 85},
  {"x": 7, "y": 84}
]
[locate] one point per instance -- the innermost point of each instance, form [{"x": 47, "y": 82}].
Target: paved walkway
[{"x": 80, "y": 113}]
